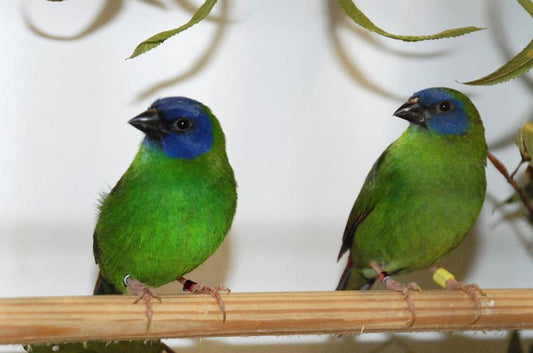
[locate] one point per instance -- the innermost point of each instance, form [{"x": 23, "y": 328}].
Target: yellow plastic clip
[{"x": 441, "y": 276}]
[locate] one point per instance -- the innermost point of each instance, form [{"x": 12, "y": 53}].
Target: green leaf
[
  {"x": 159, "y": 38},
  {"x": 359, "y": 18},
  {"x": 527, "y": 5},
  {"x": 515, "y": 67}
]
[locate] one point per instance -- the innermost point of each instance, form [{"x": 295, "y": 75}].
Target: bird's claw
[
  {"x": 193, "y": 287},
  {"x": 470, "y": 289},
  {"x": 404, "y": 289},
  {"x": 143, "y": 293},
  {"x": 400, "y": 287},
  {"x": 147, "y": 292}
]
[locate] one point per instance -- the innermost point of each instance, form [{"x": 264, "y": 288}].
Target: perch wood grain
[{"x": 68, "y": 319}]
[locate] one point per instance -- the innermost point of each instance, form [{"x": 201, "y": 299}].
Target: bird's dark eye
[
  {"x": 444, "y": 106},
  {"x": 182, "y": 124}
]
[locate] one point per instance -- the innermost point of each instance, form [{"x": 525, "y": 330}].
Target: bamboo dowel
[{"x": 68, "y": 319}]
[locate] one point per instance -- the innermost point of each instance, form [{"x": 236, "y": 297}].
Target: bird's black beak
[
  {"x": 412, "y": 111},
  {"x": 148, "y": 122}
]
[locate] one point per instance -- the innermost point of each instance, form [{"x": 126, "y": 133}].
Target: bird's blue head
[
  {"x": 180, "y": 126},
  {"x": 440, "y": 110}
]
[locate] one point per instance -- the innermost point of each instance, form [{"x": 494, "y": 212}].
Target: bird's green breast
[
  {"x": 165, "y": 217},
  {"x": 432, "y": 191}
]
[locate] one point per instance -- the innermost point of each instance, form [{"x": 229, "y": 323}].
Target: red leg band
[
  {"x": 383, "y": 276},
  {"x": 187, "y": 286}
]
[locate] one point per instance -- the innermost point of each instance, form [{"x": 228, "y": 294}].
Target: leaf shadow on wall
[
  {"x": 107, "y": 13},
  {"x": 514, "y": 215},
  {"x": 500, "y": 37},
  {"x": 191, "y": 7},
  {"x": 221, "y": 21},
  {"x": 337, "y": 19},
  {"x": 502, "y": 43}
]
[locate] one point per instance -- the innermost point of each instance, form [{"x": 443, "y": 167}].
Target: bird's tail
[
  {"x": 352, "y": 279},
  {"x": 103, "y": 286}
]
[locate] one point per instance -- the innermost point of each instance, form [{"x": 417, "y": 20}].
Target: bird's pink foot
[
  {"x": 470, "y": 289},
  {"x": 142, "y": 292},
  {"x": 396, "y": 286},
  {"x": 193, "y": 287},
  {"x": 403, "y": 288},
  {"x": 446, "y": 280}
]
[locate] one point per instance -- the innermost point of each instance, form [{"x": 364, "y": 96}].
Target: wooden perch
[{"x": 68, "y": 319}]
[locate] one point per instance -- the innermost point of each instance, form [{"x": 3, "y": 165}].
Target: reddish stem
[{"x": 501, "y": 168}]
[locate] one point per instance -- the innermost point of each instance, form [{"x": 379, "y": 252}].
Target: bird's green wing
[{"x": 365, "y": 203}]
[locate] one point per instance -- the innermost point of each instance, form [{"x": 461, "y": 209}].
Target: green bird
[
  {"x": 167, "y": 214},
  {"x": 173, "y": 206},
  {"x": 422, "y": 195}
]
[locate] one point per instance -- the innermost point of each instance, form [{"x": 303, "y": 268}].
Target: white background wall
[{"x": 306, "y": 101}]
